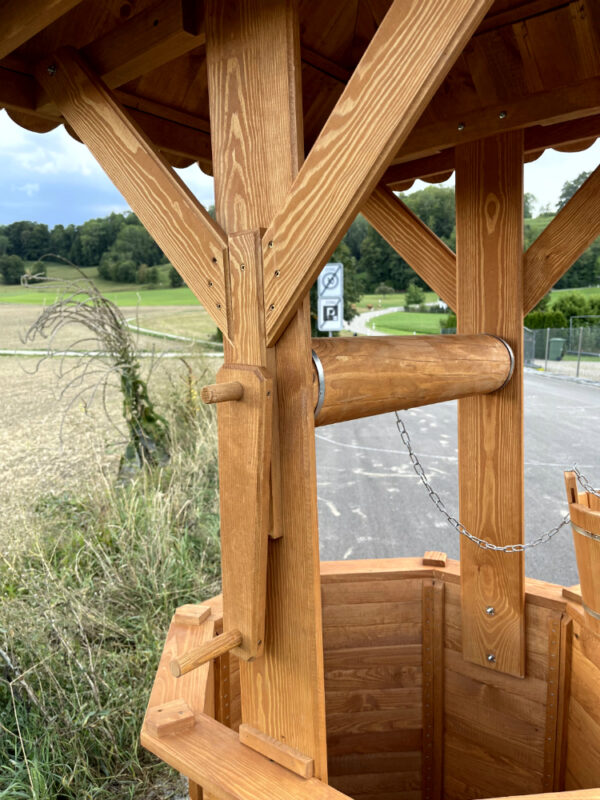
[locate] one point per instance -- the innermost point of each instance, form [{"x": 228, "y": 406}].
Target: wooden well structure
[{"x": 397, "y": 679}]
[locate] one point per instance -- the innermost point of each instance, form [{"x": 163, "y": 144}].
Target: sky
[{"x": 53, "y": 179}]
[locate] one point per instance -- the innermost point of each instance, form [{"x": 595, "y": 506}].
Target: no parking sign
[{"x": 330, "y": 292}]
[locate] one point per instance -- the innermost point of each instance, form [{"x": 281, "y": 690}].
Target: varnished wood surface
[
  {"x": 22, "y": 19},
  {"x": 393, "y": 82},
  {"x": 376, "y": 374},
  {"x": 181, "y": 227},
  {"x": 489, "y": 236},
  {"x": 253, "y": 56},
  {"x": 561, "y": 243},
  {"x": 431, "y": 259}
]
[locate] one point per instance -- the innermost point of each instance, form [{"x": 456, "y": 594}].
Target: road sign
[{"x": 330, "y": 291}]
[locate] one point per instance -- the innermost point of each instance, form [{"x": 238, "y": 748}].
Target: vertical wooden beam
[
  {"x": 489, "y": 237},
  {"x": 433, "y": 689},
  {"x": 255, "y": 107}
]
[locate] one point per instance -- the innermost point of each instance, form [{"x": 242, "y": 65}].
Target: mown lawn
[
  {"x": 587, "y": 291},
  {"x": 389, "y": 300},
  {"x": 405, "y": 323}
]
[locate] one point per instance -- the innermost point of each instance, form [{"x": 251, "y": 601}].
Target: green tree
[
  {"x": 537, "y": 320},
  {"x": 414, "y": 294},
  {"x": 12, "y": 267},
  {"x": 175, "y": 278},
  {"x": 529, "y": 201},
  {"x": 571, "y": 304},
  {"x": 570, "y": 187}
]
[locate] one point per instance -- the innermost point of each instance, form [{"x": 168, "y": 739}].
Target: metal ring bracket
[
  {"x": 321, "y": 379},
  {"x": 511, "y": 355}
]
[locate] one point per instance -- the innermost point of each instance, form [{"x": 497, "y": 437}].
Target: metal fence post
[
  {"x": 547, "y": 349},
  {"x": 579, "y": 351}
]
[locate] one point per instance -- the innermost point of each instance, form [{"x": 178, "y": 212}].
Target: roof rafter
[
  {"x": 398, "y": 74},
  {"x": 22, "y": 19},
  {"x": 182, "y": 228}
]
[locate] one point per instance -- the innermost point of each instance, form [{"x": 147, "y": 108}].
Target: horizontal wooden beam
[
  {"x": 558, "y": 105},
  {"x": 367, "y": 375},
  {"x": 22, "y": 19},
  {"x": 166, "y": 30},
  {"x": 182, "y": 228},
  {"x": 213, "y": 757},
  {"x": 402, "y": 67},
  {"x": 561, "y": 243},
  {"x": 537, "y": 137},
  {"x": 430, "y": 258}
]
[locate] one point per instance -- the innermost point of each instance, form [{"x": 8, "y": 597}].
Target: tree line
[{"x": 123, "y": 251}]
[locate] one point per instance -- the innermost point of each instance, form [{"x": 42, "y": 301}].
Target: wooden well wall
[{"x": 409, "y": 719}]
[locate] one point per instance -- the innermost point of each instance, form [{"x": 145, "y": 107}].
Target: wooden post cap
[
  {"x": 222, "y": 392},
  {"x": 206, "y": 652},
  {"x": 172, "y": 717},
  {"x": 191, "y": 614},
  {"x": 434, "y": 558}
]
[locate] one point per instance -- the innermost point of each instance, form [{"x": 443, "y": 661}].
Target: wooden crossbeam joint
[
  {"x": 277, "y": 751},
  {"x": 222, "y": 392}
]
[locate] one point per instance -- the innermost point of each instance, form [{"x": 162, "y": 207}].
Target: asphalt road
[{"x": 372, "y": 505}]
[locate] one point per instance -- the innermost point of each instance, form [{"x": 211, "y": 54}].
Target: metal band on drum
[{"x": 321, "y": 379}]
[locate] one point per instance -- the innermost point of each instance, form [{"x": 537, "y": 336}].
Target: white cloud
[{"x": 29, "y": 188}]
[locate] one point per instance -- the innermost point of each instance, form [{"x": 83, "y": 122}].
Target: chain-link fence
[{"x": 565, "y": 351}]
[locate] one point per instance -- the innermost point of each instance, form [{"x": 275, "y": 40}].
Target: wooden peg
[
  {"x": 222, "y": 392},
  {"x": 206, "y": 652}
]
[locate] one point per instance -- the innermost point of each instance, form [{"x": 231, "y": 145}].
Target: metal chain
[
  {"x": 585, "y": 482},
  {"x": 458, "y": 526}
]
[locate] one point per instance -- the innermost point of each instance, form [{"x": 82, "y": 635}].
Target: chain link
[
  {"x": 458, "y": 526},
  {"x": 585, "y": 482}
]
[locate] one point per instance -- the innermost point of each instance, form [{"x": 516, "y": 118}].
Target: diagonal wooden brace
[
  {"x": 245, "y": 430},
  {"x": 182, "y": 228}
]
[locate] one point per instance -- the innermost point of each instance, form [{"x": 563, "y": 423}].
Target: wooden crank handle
[
  {"x": 222, "y": 392},
  {"x": 206, "y": 652}
]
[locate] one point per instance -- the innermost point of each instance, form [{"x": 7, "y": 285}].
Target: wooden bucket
[{"x": 584, "y": 508}]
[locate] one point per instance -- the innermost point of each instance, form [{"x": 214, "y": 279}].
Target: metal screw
[
  {"x": 276, "y": 273},
  {"x": 491, "y": 658},
  {"x": 242, "y": 267},
  {"x": 490, "y": 611},
  {"x": 214, "y": 260},
  {"x": 271, "y": 244},
  {"x": 461, "y": 126},
  {"x": 218, "y": 305},
  {"x": 52, "y": 69},
  {"x": 502, "y": 115},
  {"x": 272, "y": 307},
  {"x": 210, "y": 283}
]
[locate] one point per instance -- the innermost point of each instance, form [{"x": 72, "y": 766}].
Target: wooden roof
[{"x": 530, "y": 64}]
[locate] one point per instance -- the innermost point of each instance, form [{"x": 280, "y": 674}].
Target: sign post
[{"x": 330, "y": 303}]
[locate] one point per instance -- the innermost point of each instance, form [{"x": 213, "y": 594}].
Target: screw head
[
  {"x": 242, "y": 267},
  {"x": 270, "y": 244},
  {"x": 52, "y": 69},
  {"x": 491, "y": 658},
  {"x": 460, "y": 126},
  {"x": 490, "y": 611},
  {"x": 502, "y": 115}
]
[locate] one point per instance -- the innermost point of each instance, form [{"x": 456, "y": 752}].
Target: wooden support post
[
  {"x": 489, "y": 235},
  {"x": 253, "y": 64},
  {"x": 405, "y": 62}
]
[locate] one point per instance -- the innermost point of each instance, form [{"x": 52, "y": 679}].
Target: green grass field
[
  {"x": 405, "y": 323},
  {"x": 388, "y": 300},
  {"x": 587, "y": 291}
]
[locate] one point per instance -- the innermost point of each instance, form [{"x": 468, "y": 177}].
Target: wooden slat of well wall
[
  {"x": 433, "y": 689},
  {"x": 489, "y": 238},
  {"x": 583, "y": 738},
  {"x": 373, "y": 686},
  {"x": 495, "y": 724},
  {"x": 253, "y": 63}
]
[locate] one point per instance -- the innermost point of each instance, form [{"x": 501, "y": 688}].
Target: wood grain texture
[
  {"x": 489, "y": 227},
  {"x": 561, "y": 243},
  {"x": 253, "y": 59},
  {"x": 158, "y": 34},
  {"x": 430, "y": 258},
  {"x": 198, "y": 656},
  {"x": 181, "y": 227},
  {"x": 244, "y": 479},
  {"x": 552, "y": 744},
  {"x": 375, "y": 374},
  {"x": 433, "y": 690},
  {"x": 280, "y": 753},
  {"x": 169, "y": 718},
  {"x": 213, "y": 757},
  {"x": 587, "y": 552},
  {"x": 401, "y": 68},
  {"x": 22, "y": 19}
]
